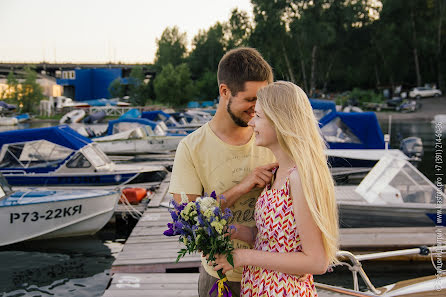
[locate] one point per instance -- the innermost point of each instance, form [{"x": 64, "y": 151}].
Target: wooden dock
[
  {"x": 175, "y": 285},
  {"x": 146, "y": 265}
]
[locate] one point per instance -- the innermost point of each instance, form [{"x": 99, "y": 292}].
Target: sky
[{"x": 101, "y": 31}]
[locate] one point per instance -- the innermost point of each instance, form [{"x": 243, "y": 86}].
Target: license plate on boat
[{"x": 50, "y": 214}]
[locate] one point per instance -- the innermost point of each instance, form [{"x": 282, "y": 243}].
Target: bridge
[{"x": 55, "y": 69}]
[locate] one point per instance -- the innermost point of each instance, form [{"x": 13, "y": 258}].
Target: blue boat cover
[
  {"x": 130, "y": 120},
  {"x": 101, "y": 102},
  {"x": 322, "y": 104},
  {"x": 132, "y": 113},
  {"x": 364, "y": 125},
  {"x": 207, "y": 104},
  {"x": 155, "y": 115},
  {"x": 62, "y": 135},
  {"x": 193, "y": 104}
]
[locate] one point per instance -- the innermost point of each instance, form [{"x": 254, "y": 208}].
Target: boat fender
[{"x": 133, "y": 195}]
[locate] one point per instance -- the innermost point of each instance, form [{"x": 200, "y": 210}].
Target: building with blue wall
[{"x": 88, "y": 84}]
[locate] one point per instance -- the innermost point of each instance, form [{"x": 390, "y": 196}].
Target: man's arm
[
  {"x": 191, "y": 197},
  {"x": 258, "y": 178}
]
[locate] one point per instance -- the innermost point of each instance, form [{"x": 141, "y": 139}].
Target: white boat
[
  {"x": 59, "y": 156},
  {"x": 137, "y": 141},
  {"x": 74, "y": 116},
  {"x": 8, "y": 121},
  {"x": 417, "y": 287},
  {"x": 393, "y": 194},
  {"x": 38, "y": 213}
]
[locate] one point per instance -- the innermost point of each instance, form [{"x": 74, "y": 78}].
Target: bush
[{"x": 359, "y": 96}]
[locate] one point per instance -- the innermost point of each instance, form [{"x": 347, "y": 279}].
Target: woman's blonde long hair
[{"x": 288, "y": 109}]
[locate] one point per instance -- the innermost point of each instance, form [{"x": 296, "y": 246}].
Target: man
[{"x": 221, "y": 156}]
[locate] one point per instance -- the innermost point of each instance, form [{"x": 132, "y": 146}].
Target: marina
[
  {"x": 145, "y": 264},
  {"x": 98, "y": 103}
]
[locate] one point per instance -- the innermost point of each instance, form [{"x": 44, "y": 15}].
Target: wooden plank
[
  {"x": 168, "y": 284},
  {"x": 150, "y": 293},
  {"x": 159, "y": 194},
  {"x": 149, "y": 278},
  {"x": 135, "y": 267}
]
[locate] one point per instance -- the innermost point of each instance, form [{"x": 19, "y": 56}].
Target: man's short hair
[{"x": 241, "y": 65}]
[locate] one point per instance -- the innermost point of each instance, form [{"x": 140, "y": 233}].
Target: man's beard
[{"x": 238, "y": 121}]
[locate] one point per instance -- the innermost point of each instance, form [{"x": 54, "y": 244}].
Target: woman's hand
[{"x": 222, "y": 263}]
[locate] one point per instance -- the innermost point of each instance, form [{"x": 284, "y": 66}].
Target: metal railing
[{"x": 355, "y": 265}]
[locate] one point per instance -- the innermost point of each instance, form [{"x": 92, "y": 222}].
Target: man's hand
[{"x": 258, "y": 178}]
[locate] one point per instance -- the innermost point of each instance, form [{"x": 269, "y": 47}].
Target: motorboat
[
  {"x": 393, "y": 194},
  {"x": 8, "y": 121},
  {"x": 132, "y": 136},
  {"x": 183, "y": 120},
  {"x": 29, "y": 214},
  {"x": 95, "y": 117},
  {"x": 21, "y": 118},
  {"x": 74, "y": 116},
  {"x": 355, "y": 139},
  {"x": 418, "y": 287},
  {"x": 59, "y": 156}
]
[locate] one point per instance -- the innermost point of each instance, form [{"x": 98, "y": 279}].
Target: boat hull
[
  {"x": 62, "y": 218},
  {"x": 139, "y": 146},
  {"x": 83, "y": 179}
]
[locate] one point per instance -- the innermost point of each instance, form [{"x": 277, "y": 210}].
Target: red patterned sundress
[{"x": 277, "y": 232}]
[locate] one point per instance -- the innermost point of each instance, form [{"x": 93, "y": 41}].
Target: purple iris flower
[
  {"x": 209, "y": 231},
  {"x": 200, "y": 220},
  {"x": 169, "y": 232},
  {"x": 178, "y": 225},
  {"x": 214, "y": 195},
  {"x": 174, "y": 216}
]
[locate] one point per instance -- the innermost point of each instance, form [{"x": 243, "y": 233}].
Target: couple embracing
[{"x": 264, "y": 153}]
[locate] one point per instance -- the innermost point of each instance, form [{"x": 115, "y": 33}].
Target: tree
[
  {"x": 238, "y": 29},
  {"x": 116, "y": 88},
  {"x": 171, "y": 48},
  {"x": 271, "y": 37},
  {"x": 207, "y": 49},
  {"x": 206, "y": 86},
  {"x": 30, "y": 91},
  {"x": 173, "y": 85},
  {"x": 11, "y": 92},
  {"x": 139, "y": 90}
]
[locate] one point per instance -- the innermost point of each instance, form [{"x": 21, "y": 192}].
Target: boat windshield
[
  {"x": 394, "y": 180},
  {"x": 320, "y": 113},
  {"x": 95, "y": 156},
  {"x": 126, "y": 126},
  {"x": 33, "y": 154},
  {"x": 337, "y": 131},
  {"x": 5, "y": 188}
]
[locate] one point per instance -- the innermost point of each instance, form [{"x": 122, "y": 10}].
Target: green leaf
[{"x": 230, "y": 259}]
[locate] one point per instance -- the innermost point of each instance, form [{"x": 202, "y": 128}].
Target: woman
[{"x": 296, "y": 233}]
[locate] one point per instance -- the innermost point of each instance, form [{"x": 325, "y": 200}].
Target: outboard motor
[{"x": 412, "y": 147}]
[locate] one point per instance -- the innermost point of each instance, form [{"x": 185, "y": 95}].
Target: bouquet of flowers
[{"x": 203, "y": 226}]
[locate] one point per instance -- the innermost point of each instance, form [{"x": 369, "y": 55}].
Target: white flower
[
  {"x": 184, "y": 198},
  {"x": 206, "y": 203}
]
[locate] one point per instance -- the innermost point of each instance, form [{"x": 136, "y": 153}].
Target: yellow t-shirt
[{"x": 204, "y": 163}]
